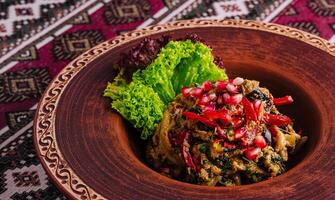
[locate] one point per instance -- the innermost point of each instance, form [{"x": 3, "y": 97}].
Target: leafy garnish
[
  {"x": 143, "y": 98},
  {"x": 141, "y": 55},
  {"x": 138, "y": 103}
]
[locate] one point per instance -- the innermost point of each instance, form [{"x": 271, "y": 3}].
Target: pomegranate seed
[
  {"x": 207, "y": 85},
  {"x": 212, "y": 96},
  {"x": 232, "y": 100},
  {"x": 228, "y": 145},
  {"x": 233, "y": 89},
  {"x": 204, "y": 100},
  {"x": 220, "y": 85},
  {"x": 196, "y": 92},
  {"x": 219, "y": 100},
  {"x": 238, "y": 81},
  {"x": 251, "y": 153},
  {"x": 257, "y": 104},
  {"x": 186, "y": 91},
  {"x": 209, "y": 107},
  {"x": 260, "y": 141},
  {"x": 240, "y": 133},
  {"x": 237, "y": 122},
  {"x": 221, "y": 133},
  {"x": 282, "y": 100},
  {"x": 237, "y": 98},
  {"x": 226, "y": 98}
]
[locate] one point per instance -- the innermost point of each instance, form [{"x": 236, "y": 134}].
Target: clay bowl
[{"x": 91, "y": 152}]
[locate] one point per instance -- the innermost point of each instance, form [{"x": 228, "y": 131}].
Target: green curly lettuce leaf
[
  {"x": 179, "y": 63},
  {"x": 144, "y": 100},
  {"x": 138, "y": 103}
]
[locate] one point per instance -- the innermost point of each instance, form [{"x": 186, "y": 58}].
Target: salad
[
  {"x": 224, "y": 133},
  {"x": 200, "y": 126}
]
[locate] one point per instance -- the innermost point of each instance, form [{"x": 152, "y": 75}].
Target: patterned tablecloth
[{"x": 38, "y": 38}]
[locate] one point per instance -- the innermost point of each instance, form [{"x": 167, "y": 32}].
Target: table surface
[{"x": 37, "y": 39}]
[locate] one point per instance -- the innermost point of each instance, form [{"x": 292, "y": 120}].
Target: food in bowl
[
  {"x": 224, "y": 133},
  {"x": 217, "y": 132}
]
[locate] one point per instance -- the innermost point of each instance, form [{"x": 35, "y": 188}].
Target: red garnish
[
  {"x": 232, "y": 99},
  {"x": 185, "y": 91},
  {"x": 194, "y": 116},
  {"x": 237, "y": 122},
  {"x": 212, "y": 96},
  {"x": 278, "y": 120},
  {"x": 220, "y": 114},
  {"x": 231, "y": 88},
  {"x": 178, "y": 139},
  {"x": 251, "y": 153},
  {"x": 209, "y": 107},
  {"x": 240, "y": 133},
  {"x": 219, "y": 100},
  {"x": 249, "y": 109},
  {"x": 221, "y": 133},
  {"x": 206, "y": 86},
  {"x": 257, "y": 103},
  {"x": 228, "y": 145},
  {"x": 196, "y": 92},
  {"x": 188, "y": 158},
  {"x": 282, "y": 100},
  {"x": 197, "y": 162},
  {"x": 204, "y": 100},
  {"x": 260, "y": 141},
  {"x": 183, "y": 143},
  {"x": 220, "y": 85}
]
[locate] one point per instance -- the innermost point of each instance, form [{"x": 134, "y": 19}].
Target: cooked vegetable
[
  {"x": 179, "y": 63},
  {"x": 282, "y": 100},
  {"x": 224, "y": 133}
]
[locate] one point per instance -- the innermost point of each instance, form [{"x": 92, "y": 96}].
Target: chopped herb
[
  {"x": 248, "y": 170},
  {"x": 203, "y": 148},
  {"x": 254, "y": 178},
  {"x": 227, "y": 182},
  {"x": 224, "y": 163},
  {"x": 230, "y": 133},
  {"x": 276, "y": 159}
]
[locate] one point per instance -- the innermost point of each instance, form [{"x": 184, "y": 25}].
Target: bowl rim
[{"x": 44, "y": 132}]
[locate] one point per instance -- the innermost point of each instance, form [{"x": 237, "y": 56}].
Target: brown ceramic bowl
[{"x": 91, "y": 152}]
